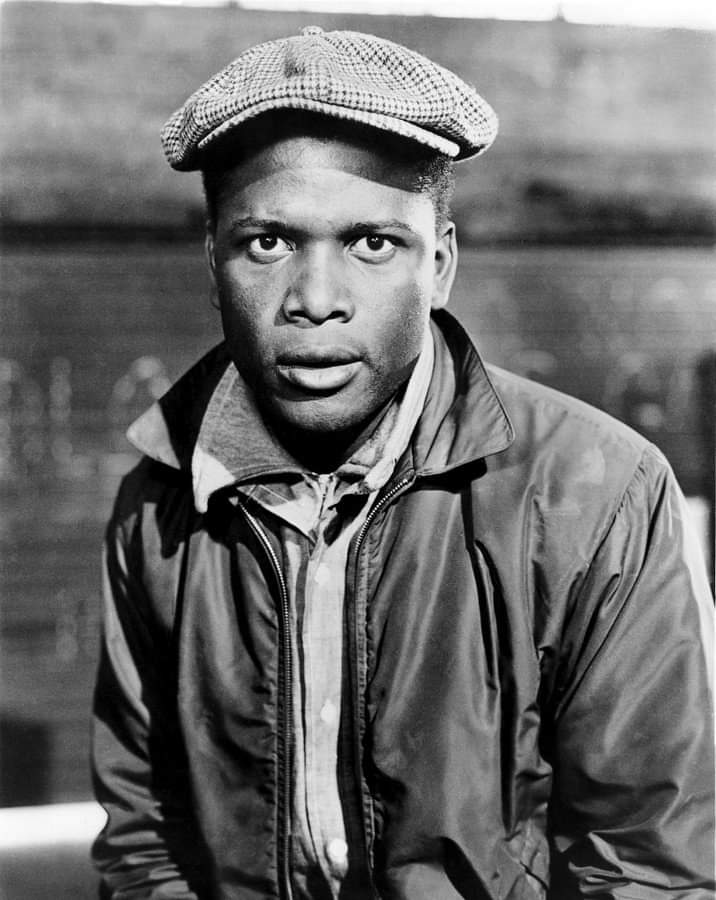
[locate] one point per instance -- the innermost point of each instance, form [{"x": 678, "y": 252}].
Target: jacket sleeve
[
  {"x": 148, "y": 848},
  {"x": 633, "y": 743}
]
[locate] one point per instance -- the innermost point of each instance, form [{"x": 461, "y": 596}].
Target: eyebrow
[
  {"x": 277, "y": 225},
  {"x": 382, "y": 225},
  {"x": 253, "y": 222}
]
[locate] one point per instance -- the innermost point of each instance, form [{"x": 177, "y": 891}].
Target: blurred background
[{"x": 587, "y": 262}]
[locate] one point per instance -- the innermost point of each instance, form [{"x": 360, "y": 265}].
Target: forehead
[
  {"x": 311, "y": 158},
  {"x": 323, "y": 185}
]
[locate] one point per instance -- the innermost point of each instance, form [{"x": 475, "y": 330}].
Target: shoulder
[
  {"x": 572, "y": 473},
  {"x": 535, "y": 406},
  {"x": 569, "y": 437},
  {"x": 154, "y": 503}
]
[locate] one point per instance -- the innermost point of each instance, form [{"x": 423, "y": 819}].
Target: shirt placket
[
  {"x": 322, "y": 657},
  {"x": 316, "y": 576},
  {"x": 323, "y": 630}
]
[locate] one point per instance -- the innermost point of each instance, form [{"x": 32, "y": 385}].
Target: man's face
[{"x": 326, "y": 267}]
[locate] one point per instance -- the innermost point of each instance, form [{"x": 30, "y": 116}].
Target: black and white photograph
[{"x": 357, "y": 449}]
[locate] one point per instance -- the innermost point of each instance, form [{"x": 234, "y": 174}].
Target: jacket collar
[{"x": 463, "y": 419}]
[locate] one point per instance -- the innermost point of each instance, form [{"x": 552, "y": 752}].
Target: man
[{"x": 380, "y": 622}]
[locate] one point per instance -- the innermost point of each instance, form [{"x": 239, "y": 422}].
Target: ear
[
  {"x": 210, "y": 253},
  {"x": 209, "y": 250},
  {"x": 445, "y": 265}
]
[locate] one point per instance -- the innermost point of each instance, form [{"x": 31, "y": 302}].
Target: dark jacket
[{"x": 526, "y": 711}]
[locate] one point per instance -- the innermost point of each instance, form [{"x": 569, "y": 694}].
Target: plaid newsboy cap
[{"x": 343, "y": 74}]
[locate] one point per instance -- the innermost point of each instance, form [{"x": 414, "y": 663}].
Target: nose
[{"x": 318, "y": 290}]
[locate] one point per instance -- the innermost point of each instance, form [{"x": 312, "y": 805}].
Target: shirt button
[
  {"x": 337, "y": 851},
  {"x": 328, "y": 713},
  {"x": 323, "y": 575}
]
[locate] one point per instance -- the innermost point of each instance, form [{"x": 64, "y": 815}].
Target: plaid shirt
[{"x": 316, "y": 517}]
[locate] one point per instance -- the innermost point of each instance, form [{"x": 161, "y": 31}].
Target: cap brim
[{"x": 398, "y": 127}]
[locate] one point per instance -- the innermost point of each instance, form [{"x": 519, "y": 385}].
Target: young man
[{"x": 379, "y": 622}]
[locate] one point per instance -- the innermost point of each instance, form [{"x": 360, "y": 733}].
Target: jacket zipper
[
  {"x": 396, "y": 489},
  {"x": 285, "y": 789},
  {"x": 367, "y": 810},
  {"x": 285, "y": 677}
]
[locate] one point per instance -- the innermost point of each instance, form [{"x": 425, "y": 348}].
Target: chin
[
  {"x": 324, "y": 417},
  {"x": 320, "y": 424}
]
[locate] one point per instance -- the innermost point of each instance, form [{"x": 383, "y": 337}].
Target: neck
[{"x": 322, "y": 451}]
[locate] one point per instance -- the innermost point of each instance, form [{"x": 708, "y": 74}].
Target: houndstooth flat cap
[{"x": 345, "y": 74}]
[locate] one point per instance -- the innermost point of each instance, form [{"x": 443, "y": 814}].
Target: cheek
[
  {"x": 401, "y": 325},
  {"x": 242, "y": 310}
]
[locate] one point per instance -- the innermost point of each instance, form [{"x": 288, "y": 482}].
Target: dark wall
[{"x": 605, "y": 131}]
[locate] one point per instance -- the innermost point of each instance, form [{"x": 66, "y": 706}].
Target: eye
[
  {"x": 268, "y": 247},
  {"x": 374, "y": 247}
]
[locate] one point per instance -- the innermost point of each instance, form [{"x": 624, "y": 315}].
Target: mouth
[{"x": 320, "y": 370}]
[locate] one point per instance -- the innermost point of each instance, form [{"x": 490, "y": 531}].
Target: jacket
[{"x": 527, "y": 709}]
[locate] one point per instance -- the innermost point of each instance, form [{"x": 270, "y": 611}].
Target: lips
[{"x": 318, "y": 369}]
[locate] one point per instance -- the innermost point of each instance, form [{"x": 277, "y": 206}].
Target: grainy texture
[
  {"x": 602, "y": 130},
  {"x": 91, "y": 335}
]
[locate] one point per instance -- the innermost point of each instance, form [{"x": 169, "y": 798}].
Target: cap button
[{"x": 311, "y": 29}]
